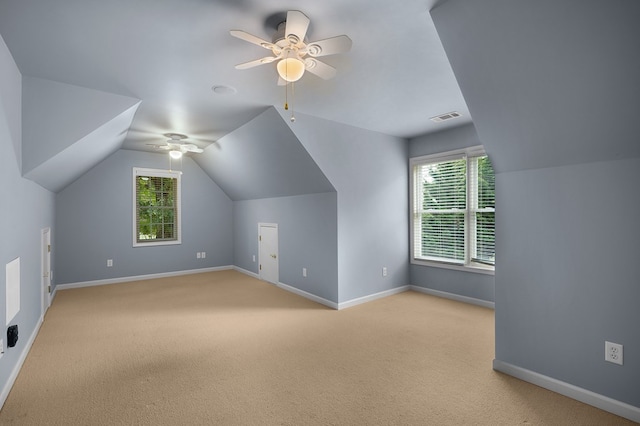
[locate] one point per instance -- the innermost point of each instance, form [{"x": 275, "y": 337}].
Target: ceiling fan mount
[
  {"x": 295, "y": 55},
  {"x": 175, "y": 136},
  {"x": 174, "y": 145}
]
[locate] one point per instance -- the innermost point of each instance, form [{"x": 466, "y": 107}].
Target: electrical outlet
[
  {"x": 254, "y": 258},
  {"x": 204, "y": 254},
  {"x": 384, "y": 271},
  {"x": 198, "y": 255},
  {"x": 109, "y": 263},
  {"x": 1, "y": 347},
  {"x": 304, "y": 272},
  {"x": 613, "y": 352}
]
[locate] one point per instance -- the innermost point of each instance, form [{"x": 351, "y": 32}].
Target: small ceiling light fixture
[{"x": 224, "y": 90}]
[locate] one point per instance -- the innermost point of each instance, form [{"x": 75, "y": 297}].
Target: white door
[
  {"x": 268, "y": 252},
  {"x": 46, "y": 269}
]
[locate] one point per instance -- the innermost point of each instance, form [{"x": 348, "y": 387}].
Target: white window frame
[
  {"x": 468, "y": 265},
  {"x": 139, "y": 171}
]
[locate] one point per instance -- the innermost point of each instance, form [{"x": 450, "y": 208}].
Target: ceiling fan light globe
[
  {"x": 291, "y": 69},
  {"x": 175, "y": 154}
]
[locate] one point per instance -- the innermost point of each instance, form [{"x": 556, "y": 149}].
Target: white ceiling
[{"x": 169, "y": 54}]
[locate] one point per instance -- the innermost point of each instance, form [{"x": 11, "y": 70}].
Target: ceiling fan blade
[
  {"x": 296, "y": 26},
  {"x": 256, "y": 62},
  {"x": 320, "y": 69},
  {"x": 158, "y": 146},
  {"x": 329, "y": 46},
  {"x": 243, "y": 35},
  {"x": 189, "y": 147}
]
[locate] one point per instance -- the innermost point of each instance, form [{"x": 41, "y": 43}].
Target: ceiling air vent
[{"x": 445, "y": 117}]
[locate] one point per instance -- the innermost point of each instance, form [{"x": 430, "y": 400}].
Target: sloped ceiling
[
  {"x": 10, "y": 94},
  {"x": 72, "y": 162},
  {"x": 263, "y": 159},
  {"x": 86, "y": 63},
  {"x": 549, "y": 83},
  {"x": 69, "y": 129},
  {"x": 171, "y": 53}
]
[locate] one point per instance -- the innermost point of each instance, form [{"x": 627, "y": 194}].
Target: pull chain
[
  {"x": 293, "y": 94},
  {"x": 286, "y": 94}
]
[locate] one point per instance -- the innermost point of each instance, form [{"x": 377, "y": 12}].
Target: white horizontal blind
[
  {"x": 453, "y": 208},
  {"x": 439, "y": 210},
  {"x": 156, "y": 198},
  {"x": 482, "y": 215}
]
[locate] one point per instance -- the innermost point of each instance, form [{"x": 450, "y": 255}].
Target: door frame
[
  {"x": 45, "y": 269},
  {"x": 277, "y": 271}
]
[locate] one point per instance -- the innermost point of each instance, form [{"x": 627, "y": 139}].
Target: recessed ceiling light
[{"x": 224, "y": 90}]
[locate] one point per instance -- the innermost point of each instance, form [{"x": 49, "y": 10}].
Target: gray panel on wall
[
  {"x": 94, "y": 223},
  {"x": 567, "y": 278},
  {"x": 263, "y": 159}
]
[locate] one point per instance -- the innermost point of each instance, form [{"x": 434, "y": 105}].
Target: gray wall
[
  {"x": 469, "y": 284},
  {"x": 26, "y": 209},
  {"x": 567, "y": 278},
  {"x": 94, "y": 223},
  {"x": 307, "y": 238},
  {"x": 369, "y": 172},
  {"x": 540, "y": 81}
]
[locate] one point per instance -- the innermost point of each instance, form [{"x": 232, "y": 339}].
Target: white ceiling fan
[
  {"x": 293, "y": 54},
  {"x": 175, "y": 146}
]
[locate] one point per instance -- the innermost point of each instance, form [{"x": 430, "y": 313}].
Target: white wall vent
[{"x": 445, "y": 117}]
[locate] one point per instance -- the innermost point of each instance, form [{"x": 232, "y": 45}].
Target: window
[
  {"x": 156, "y": 207},
  {"x": 453, "y": 209}
]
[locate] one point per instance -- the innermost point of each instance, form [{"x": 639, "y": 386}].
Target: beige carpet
[{"x": 224, "y": 348}]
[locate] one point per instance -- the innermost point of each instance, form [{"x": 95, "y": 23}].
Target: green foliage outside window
[
  {"x": 444, "y": 202},
  {"x": 449, "y": 213},
  {"x": 486, "y": 220},
  {"x": 156, "y": 211}
]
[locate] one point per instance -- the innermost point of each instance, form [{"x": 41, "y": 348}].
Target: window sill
[
  {"x": 476, "y": 268},
  {"x": 157, "y": 243}
]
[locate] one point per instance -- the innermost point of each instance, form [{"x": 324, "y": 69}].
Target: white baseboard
[
  {"x": 246, "y": 272},
  {"x": 309, "y": 296},
  {"x": 371, "y": 297},
  {"x": 140, "y": 277},
  {"x": 53, "y": 295},
  {"x": 600, "y": 401},
  {"x": 16, "y": 369},
  {"x": 453, "y": 296},
  {"x": 293, "y": 290}
]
